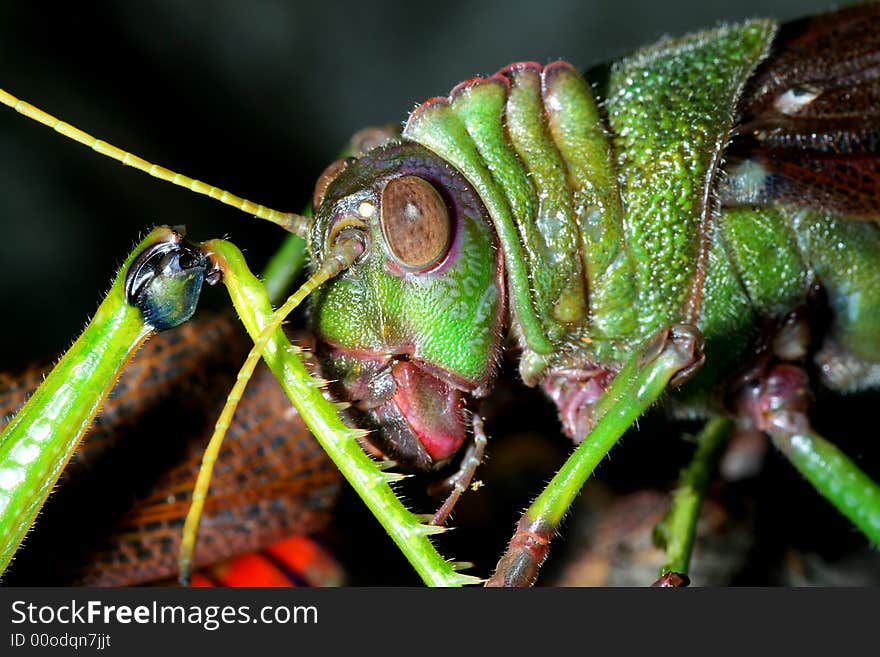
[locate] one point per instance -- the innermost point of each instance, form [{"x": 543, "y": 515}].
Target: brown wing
[
  {"x": 116, "y": 516},
  {"x": 809, "y": 127}
]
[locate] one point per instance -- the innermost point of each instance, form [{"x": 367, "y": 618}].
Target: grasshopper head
[{"x": 412, "y": 331}]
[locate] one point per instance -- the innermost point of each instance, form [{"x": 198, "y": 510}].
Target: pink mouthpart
[{"x": 432, "y": 408}]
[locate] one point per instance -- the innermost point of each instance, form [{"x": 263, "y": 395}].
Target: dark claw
[
  {"x": 672, "y": 581},
  {"x": 689, "y": 343},
  {"x": 165, "y": 281}
]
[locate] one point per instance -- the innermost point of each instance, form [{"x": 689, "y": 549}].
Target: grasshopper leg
[
  {"x": 778, "y": 406},
  {"x": 462, "y": 479},
  {"x": 672, "y": 580},
  {"x": 676, "y": 532},
  {"x": 667, "y": 358},
  {"x": 251, "y": 300},
  {"x": 157, "y": 288}
]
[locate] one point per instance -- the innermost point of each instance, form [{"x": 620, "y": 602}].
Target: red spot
[
  {"x": 308, "y": 559},
  {"x": 251, "y": 570},
  {"x": 199, "y": 581}
]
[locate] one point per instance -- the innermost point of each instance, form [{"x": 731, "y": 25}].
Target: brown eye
[
  {"x": 328, "y": 176},
  {"x": 415, "y": 222}
]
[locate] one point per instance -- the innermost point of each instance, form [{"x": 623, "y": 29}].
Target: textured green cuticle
[
  {"x": 576, "y": 128},
  {"x": 727, "y": 319},
  {"x": 669, "y": 111},
  {"x": 555, "y": 232},
  {"x": 763, "y": 248},
  {"x": 447, "y": 318},
  {"x": 843, "y": 254}
]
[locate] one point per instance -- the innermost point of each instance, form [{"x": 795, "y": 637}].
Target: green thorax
[{"x": 603, "y": 210}]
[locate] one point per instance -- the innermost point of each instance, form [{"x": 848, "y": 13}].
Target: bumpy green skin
[
  {"x": 609, "y": 224},
  {"x": 669, "y": 108},
  {"x": 604, "y": 223},
  {"x": 447, "y": 318},
  {"x": 604, "y": 206},
  {"x": 845, "y": 256},
  {"x": 763, "y": 262},
  {"x": 760, "y": 262}
]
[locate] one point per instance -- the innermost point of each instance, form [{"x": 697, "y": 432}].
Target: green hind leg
[
  {"x": 780, "y": 409},
  {"x": 777, "y": 404},
  {"x": 665, "y": 359},
  {"x": 677, "y": 530}
]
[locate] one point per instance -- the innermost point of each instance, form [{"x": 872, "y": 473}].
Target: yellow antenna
[
  {"x": 292, "y": 222},
  {"x": 342, "y": 255}
]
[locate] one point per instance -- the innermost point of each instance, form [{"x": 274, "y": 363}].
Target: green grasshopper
[{"x": 627, "y": 231}]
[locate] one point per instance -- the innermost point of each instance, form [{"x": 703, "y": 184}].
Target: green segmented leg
[
  {"x": 339, "y": 441},
  {"x": 344, "y": 252},
  {"x": 666, "y": 358},
  {"x": 41, "y": 438},
  {"x": 459, "y": 482},
  {"x": 835, "y": 476},
  {"x": 676, "y": 532},
  {"x": 782, "y": 414}
]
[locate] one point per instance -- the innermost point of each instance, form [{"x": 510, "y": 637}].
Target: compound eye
[
  {"x": 329, "y": 174},
  {"x": 415, "y": 222}
]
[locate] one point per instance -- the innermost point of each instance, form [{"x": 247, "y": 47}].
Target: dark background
[{"x": 255, "y": 97}]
